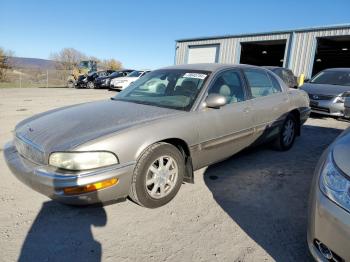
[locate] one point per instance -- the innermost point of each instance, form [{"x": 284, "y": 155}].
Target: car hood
[
  {"x": 68, "y": 127},
  {"x": 129, "y": 79},
  {"x": 341, "y": 152},
  {"x": 322, "y": 89}
]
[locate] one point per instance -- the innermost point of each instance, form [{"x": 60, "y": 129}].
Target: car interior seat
[{"x": 187, "y": 88}]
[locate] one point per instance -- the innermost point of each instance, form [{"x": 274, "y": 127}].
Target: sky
[{"x": 142, "y": 34}]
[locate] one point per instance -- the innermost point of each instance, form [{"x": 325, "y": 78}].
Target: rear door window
[{"x": 260, "y": 83}]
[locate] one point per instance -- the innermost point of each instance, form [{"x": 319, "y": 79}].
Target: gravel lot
[{"x": 251, "y": 207}]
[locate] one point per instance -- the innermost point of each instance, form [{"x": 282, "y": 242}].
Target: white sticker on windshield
[{"x": 195, "y": 75}]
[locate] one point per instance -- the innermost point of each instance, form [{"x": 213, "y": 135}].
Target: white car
[{"x": 123, "y": 82}]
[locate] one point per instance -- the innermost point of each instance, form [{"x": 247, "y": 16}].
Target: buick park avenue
[{"x": 147, "y": 140}]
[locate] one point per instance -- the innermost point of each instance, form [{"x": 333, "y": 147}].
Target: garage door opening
[
  {"x": 264, "y": 53},
  {"x": 331, "y": 52}
]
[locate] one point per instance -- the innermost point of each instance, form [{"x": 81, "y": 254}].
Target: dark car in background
[
  {"x": 285, "y": 74},
  {"x": 105, "y": 81},
  {"x": 87, "y": 81},
  {"x": 327, "y": 91}
]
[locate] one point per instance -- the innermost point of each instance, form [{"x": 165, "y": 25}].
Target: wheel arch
[
  {"x": 185, "y": 151},
  {"x": 183, "y": 147}
]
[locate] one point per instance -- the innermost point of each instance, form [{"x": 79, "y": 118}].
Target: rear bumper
[
  {"x": 327, "y": 107},
  {"x": 51, "y": 182},
  {"x": 328, "y": 223}
]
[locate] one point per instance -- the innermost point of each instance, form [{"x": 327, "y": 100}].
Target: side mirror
[
  {"x": 347, "y": 107},
  {"x": 215, "y": 101}
]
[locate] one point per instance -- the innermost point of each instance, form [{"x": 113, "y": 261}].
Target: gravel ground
[{"x": 251, "y": 207}]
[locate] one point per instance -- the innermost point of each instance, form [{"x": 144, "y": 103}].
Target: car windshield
[
  {"x": 83, "y": 64},
  {"x": 341, "y": 78},
  {"x": 172, "y": 88},
  {"x": 135, "y": 74}
]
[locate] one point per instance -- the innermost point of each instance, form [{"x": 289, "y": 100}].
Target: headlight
[
  {"x": 341, "y": 97},
  {"x": 335, "y": 185},
  {"x": 82, "y": 160}
]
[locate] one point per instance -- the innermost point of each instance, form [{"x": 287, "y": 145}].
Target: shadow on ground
[
  {"x": 63, "y": 233},
  {"x": 266, "y": 192}
]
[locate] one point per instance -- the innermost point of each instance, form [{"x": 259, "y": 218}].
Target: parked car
[
  {"x": 285, "y": 74},
  {"x": 104, "y": 81},
  {"x": 123, "y": 82},
  {"x": 87, "y": 81},
  {"x": 144, "y": 143},
  {"x": 329, "y": 209},
  {"x": 327, "y": 91}
]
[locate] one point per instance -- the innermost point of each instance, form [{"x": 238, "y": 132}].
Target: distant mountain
[{"x": 33, "y": 63}]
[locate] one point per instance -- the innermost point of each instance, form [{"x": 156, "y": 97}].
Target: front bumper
[
  {"x": 328, "y": 223},
  {"x": 51, "y": 181},
  {"x": 327, "y": 107},
  {"x": 118, "y": 88},
  {"x": 304, "y": 114},
  {"x": 102, "y": 84}
]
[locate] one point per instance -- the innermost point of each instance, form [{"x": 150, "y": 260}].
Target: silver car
[
  {"x": 329, "y": 210},
  {"x": 146, "y": 141},
  {"x": 327, "y": 91}
]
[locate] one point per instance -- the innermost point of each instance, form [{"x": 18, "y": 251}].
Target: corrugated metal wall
[
  {"x": 230, "y": 48},
  {"x": 299, "y": 55},
  {"x": 303, "y": 49}
]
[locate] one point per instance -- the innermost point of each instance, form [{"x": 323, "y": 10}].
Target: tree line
[
  {"x": 5, "y": 62},
  {"x": 66, "y": 59},
  {"x": 69, "y": 58}
]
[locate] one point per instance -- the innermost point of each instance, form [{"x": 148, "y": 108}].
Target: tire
[
  {"x": 90, "y": 85},
  {"x": 162, "y": 182},
  {"x": 285, "y": 139},
  {"x": 70, "y": 84}
]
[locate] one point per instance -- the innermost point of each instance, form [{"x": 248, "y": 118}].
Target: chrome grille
[
  {"x": 320, "y": 97},
  {"x": 29, "y": 150}
]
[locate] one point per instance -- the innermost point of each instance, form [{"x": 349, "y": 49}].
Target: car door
[
  {"x": 269, "y": 100},
  {"x": 227, "y": 130}
]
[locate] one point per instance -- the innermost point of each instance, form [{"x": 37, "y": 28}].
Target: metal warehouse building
[{"x": 305, "y": 51}]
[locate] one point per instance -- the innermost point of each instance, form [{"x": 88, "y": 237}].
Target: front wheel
[
  {"x": 158, "y": 175},
  {"x": 90, "y": 85},
  {"x": 286, "y": 137},
  {"x": 70, "y": 84}
]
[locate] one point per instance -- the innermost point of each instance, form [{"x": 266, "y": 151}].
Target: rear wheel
[
  {"x": 158, "y": 175},
  {"x": 286, "y": 137}
]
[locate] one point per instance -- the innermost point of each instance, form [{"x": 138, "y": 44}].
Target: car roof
[
  {"x": 345, "y": 69},
  {"x": 208, "y": 66},
  {"x": 275, "y": 67}
]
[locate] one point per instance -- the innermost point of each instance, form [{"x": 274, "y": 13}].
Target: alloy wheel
[
  {"x": 161, "y": 177},
  {"x": 288, "y": 132}
]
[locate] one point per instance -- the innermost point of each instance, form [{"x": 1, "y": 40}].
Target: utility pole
[{"x": 47, "y": 78}]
